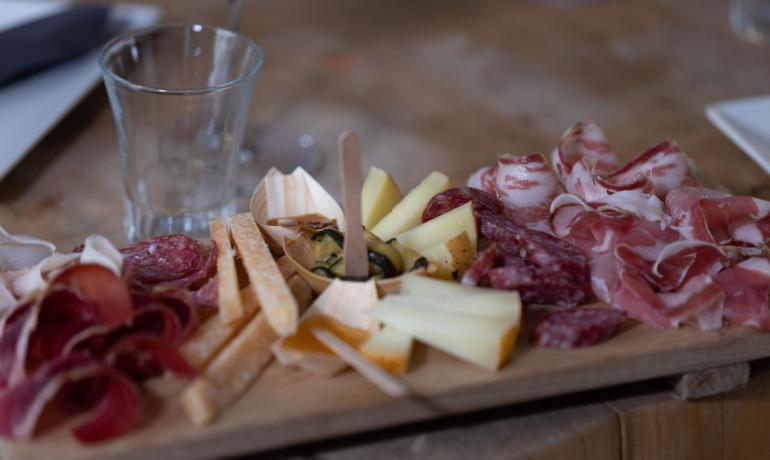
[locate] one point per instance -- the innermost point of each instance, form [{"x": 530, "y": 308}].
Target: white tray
[
  {"x": 747, "y": 123},
  {"x": 30, "y": 107}
]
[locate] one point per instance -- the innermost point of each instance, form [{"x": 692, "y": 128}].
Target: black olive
[
  {"x": 323, "y": 271},
  {"x": 422, "y": 262},
  {"x": 333, "y": 233},
  {"x": 385, "y": 264}
]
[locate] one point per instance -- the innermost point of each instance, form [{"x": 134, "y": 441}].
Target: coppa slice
[
  {"x": 407, "y": 213},
  {"x": 378, "y": 197},
  {"x": 274, "y": 295},
  {"x": 441, "y": 229}
]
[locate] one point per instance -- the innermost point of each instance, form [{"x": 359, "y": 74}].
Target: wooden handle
[
  {"x": 356, "y": 257},
  {"x": 391, "y": 385}
]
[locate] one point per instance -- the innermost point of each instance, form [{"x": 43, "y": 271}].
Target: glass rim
[{"x": 113, "y": 42}]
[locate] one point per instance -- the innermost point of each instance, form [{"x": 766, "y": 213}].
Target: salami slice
[
  {"x": 578, "y": 327},
  {"x": 170, "y": 260},
  {"x": 455, "y": 197}
]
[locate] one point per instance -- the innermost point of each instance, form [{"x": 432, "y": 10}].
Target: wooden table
[{"x": 450, "y": 85}]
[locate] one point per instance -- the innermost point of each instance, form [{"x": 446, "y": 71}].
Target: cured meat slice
[
  {"x": 579, "y": 327},
  {"x": 538, "y": 248},
  {"x": 663, "y": 164},
  {"x": 22, "y": 405},
  {"x": 583, "y": 141},
  {"x": 747, "y": 290},
  {"x": 676, "y": 263},
  {"x": 710, "y": 215},
  {"x": 453, "y": 198},
  {"x": 485, "y": 179},
  {"x": 170, "y": 260},
  {"x": 526, "y": 186},
  {"x": 143, "y": 356}
]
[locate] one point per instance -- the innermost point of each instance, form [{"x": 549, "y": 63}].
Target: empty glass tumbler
[
  {"x": 180, "y": 95},
  {"x": 750, "y": 19}
]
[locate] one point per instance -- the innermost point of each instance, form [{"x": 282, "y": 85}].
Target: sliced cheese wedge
[
  {"x": 390, "y": 349},
  {"x": 442, "y": 229},
  {"x": 452, "y": 257},
  {"x": 378, "y": 197},
  {"x": 408, "y": 212},
  {"x": 502, "y": 305},
  {"x": 343, "y": 309},
  {"x": 269, "y": 286},
  {"x": 481, "y": 340}
]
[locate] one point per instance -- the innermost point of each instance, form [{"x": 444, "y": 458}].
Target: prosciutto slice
[
  {"x": 747, "y": 289},
  {"x": 714, "y": 216},
  {"x": 663, "y": 164}
]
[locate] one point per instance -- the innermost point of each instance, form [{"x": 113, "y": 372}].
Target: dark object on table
[{"x": 46, "y": 42}]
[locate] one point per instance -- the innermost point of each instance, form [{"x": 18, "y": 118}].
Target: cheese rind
[
  {"x": 441, "y": 229},
  {"x": 408, "y": 212},
  {"x": 390, "y": 349},
  {"x": 452, "y": 257},
  {"x": 379, "y": 196}
]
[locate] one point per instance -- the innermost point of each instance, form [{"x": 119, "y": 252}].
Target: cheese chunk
[
  {"x": 378, "y": 197},
  {"x": 408, "y": 212},
  {"x": 441, "y": 229},
  {"x": 452, "y": 257},
  {"x": 390, "y": 349},
  {"x": 486, "y": 341}
]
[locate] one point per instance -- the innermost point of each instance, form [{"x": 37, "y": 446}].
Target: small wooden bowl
[{"x": 301, "y": 256}]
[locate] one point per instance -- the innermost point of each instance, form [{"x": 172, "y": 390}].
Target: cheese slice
[
  {"x": 485, "y": 341},
  {"x": 378, "y": 197},
  {"x": 408, "y": 212},
  {"x": 441, "y": 229},
  {"x": 272, "y": 292},
  {"x": 229, "y": 298},
  {"x": 231, "y": 373},
  {"x": 213, "y": 334},
  {"x": 452, "y": 258},
  {"x": 343, "y": 309},
  {"x": 390, "y": 349}
]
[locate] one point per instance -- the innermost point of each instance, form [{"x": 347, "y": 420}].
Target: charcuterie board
[
  {"x": 618, "y": 286},
  {"x": 287, "y": 407}
]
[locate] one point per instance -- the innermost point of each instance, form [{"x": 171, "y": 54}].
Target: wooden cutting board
[{"x": 287, "y": 407}]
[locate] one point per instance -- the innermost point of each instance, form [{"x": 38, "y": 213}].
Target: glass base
[{"x": 141, "y": 224}]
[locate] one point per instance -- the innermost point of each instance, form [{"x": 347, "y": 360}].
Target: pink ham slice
[
  {"x": 583, "y": 141},
  {"x": 710, "y": 215},
  {"x": 747, "y": 290},
  {"x": 170, "y": 260},
  {"x": 663, "y": 164}
]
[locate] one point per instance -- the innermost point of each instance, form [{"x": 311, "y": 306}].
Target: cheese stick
[
  {"x": 213, "y": 334},
  {"x": 231, "y": 373},
  {"x": 230, "y": 306},
  {"x": 270, "y": 288}
]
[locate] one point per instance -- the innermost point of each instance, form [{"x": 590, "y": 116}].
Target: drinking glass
[
  {"x": 750, "y": 19},
  {"x": 179, "y": 95}
]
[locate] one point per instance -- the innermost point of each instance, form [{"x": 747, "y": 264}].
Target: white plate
[
  {"x": 30, "y": 107},
  {"x": 747, "y": 123}
]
